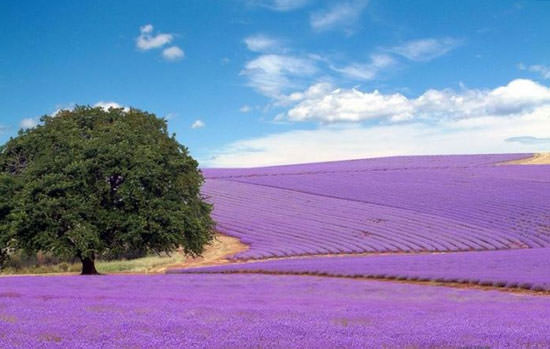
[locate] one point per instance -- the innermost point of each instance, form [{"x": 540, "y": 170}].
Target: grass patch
[
  {"x": 41, "y": 263},
  {"x": 138, "y": 265}
]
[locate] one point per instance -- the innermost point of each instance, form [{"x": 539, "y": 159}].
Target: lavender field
[
  {"x": 524, "y": 268},
  {"x": 261, "y": 311},
  {"x": 453, "y": 220},
  {"x": 399, "y": 204}
]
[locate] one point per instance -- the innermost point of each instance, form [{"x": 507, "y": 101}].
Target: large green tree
[{"x": 90, "y": 182}]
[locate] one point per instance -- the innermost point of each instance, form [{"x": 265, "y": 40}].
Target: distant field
[{"x": 397, "y": 204}]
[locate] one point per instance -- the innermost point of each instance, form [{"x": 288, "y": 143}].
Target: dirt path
[
  {"x": 215, "y": 254},
  {"x": 537, "y": 159}
]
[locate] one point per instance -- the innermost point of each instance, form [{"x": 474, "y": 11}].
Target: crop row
[
  {"x": 526, "y": 269},
  {"x": 416, "y": 204},
  {"x": 487, "y": 201},
  {"x": 277, "y": 223}
]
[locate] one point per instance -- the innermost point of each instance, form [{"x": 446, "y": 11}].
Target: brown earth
[{"x": 217, "y": 253}]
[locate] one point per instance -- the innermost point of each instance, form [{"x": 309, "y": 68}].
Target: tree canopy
[{"x": 90, "y": 182}]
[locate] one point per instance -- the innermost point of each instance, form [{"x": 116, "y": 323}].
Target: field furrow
[
  {"x": 401, "y": 204},
  {"x": 526, "y": 269}
]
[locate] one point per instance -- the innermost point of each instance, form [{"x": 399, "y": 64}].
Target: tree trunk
[{"x": 88, "y": 266}]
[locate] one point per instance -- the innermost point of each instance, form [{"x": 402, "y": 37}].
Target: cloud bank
[
  {"x": 324, "y": 103},
  {"x": 510, "y": 118}
]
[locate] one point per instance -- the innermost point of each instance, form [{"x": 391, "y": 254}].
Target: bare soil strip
[
  {"x": 537, "y": 159},
  {"x": 216, "y": 253}
]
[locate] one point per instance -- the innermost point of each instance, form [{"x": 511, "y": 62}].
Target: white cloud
[
  {"x": 335, "y": 105},
  {"x": 272, "y": 74},
  {"x": 146, "y": 29},
  {"x": 314, "y": 91},
  {"x": 101, "y": 104},
  {"x": 28, "y": 123},
  {"x": 108, "y": 105},
  {"x": 340, "y": 15},
  {"x": 369, "y": 70},
  {"x": 170, "y": 116},
  {"x": 147, "y": 41},
  {"x": 172, "y": 53},
  {"x": 426, "y": 49},
  {"x": 542, "y": 70},
  {"x": 280, "y": 5},
  {"x": 198, "y": 124},
  {"x": 60, "y": 107},
  {"x": 245, "y": 108},
  {"x": 529, "y": 140},
  {"x": 329, "y": 104},
  {"x": 487, "y": 134},
  {"x": 261, "y": 43}
]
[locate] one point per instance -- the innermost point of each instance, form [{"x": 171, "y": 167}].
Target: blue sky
[{"x": 258, "y": 82}]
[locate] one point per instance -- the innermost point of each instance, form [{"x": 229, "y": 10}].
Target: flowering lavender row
[
  {"x": 506, "y": 198},
  {"x": 277, "y": 222},
  {"x": 252, "y": 311},
  {"x": 528, "y": 269},
  {"x": 488, "y": 197},
  {"x": 440, "y": 203}
]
